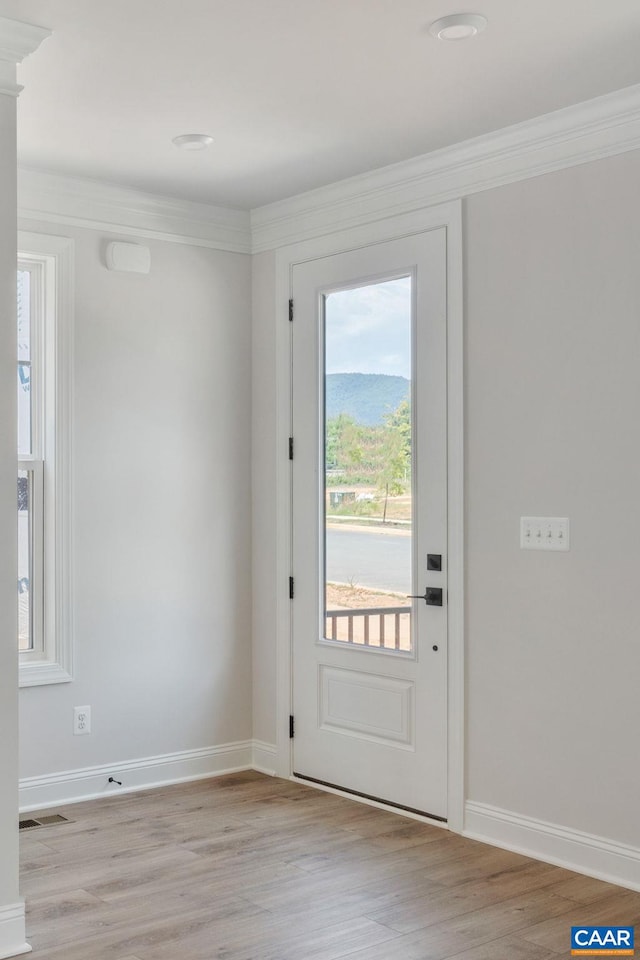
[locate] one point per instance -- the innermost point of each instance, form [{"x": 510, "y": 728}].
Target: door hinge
[
  {"x": 291, "y": 727},
  {"x": 290, "y": 448},
  {"x": 290, "y": 311},
  {"x": 290, "y": 588}
]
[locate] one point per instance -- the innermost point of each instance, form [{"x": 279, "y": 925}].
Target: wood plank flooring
[{"x": 246, "y": 867}]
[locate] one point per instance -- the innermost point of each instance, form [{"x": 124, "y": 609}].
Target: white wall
[
  {"x": 552, "y": 400},
  {"x": 161, "y": 510},
  {"x": 553, "y": 394}
]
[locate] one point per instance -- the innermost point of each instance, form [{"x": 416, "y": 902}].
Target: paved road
[{"x": 369, "y": 558}]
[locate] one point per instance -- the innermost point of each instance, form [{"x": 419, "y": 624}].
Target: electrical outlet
[
  {"x": 81, "y": 721},
  {"x": 544, "y": 533}
]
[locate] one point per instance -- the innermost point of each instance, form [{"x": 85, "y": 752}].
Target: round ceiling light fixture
[
  {"x": 193, "y": 141},
  {"x": 459, "y": 26}
]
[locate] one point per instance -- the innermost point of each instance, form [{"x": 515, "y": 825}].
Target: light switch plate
[{"x": 544, "y": 533}]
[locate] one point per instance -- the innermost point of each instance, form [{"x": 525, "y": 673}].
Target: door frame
[{"x": 449, "y": 216}]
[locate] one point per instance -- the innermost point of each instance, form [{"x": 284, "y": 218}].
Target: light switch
[{"x": 544, "y": 533}]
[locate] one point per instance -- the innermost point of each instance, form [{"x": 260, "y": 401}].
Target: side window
[
  {"x": 30, "y": 462},
  {"x": 44, "y": 385}
]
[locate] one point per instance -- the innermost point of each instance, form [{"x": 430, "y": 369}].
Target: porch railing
[{"x": 386, "y": 627}]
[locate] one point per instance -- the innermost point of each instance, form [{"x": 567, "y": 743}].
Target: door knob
[{"x": 432, "y": 596}]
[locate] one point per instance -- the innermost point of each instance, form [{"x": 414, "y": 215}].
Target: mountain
[{"x": 366, "y": 397}]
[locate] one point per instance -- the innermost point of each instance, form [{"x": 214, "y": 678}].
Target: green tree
[
  {"x": 392, "y": 469},
  {"x": 332, "y": 439},
  {"x": 344, "y": 443},
  {"x": 379, "y": 455},
  {"x": 350, "y": 450},
  {"x": 400, "y": 420}
]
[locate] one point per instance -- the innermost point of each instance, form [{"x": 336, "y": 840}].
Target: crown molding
[
  {"x": 592, "y": 130},
  {"x": 86, "y": 203},
  {"x": 18, "y": 40}
]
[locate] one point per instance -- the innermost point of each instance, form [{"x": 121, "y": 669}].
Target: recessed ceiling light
[
  {"x": 193, "y": 141},
  {"x": 459, "y": 26}
]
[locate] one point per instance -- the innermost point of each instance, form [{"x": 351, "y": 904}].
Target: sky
[{"x": 368, "y": 329}]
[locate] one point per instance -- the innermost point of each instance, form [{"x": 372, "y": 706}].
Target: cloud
[{"x": 368, "y": 329}]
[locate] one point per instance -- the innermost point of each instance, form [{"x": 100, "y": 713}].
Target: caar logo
[{"x": 602, "y": 942}]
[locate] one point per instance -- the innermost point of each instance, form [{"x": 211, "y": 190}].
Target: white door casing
[{"x": 449, "y": 216}]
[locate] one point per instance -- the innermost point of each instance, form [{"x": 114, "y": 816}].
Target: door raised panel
[{"x": 366, "y": 705}]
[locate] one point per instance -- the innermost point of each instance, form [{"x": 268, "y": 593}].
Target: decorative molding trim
[
  {"x": 8, "y": 88},
  {"x": 264, "y": 757},
  {"x": 594, "y": 856},
  {"x": 90, "y": 783},
  {"x": 18, "y": 40},
  {"x": 592, "y": 130},
  {"x": 51, "y": 198},
  {"x": 12, "y": 931}
]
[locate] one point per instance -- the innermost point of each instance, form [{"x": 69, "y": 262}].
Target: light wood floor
[{"x": 246, "y": 867}]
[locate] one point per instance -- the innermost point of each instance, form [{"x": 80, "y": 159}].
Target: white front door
[{"x": 370, "y": 522}]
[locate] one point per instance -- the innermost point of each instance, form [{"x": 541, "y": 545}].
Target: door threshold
[{"x": 372, "y": 801}]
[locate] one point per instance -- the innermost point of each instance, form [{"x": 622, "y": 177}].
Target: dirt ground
[{"x": 341, "y": 596}]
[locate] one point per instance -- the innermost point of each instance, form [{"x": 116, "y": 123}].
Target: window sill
[{"x": 41, "y": 672}]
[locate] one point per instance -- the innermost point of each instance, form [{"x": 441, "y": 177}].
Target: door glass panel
[{"x": 368, "y": 473}]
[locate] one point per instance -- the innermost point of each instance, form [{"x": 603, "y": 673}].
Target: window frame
[
  {"x": 33, "y": 462},
  {"x": 50, "y": 259}
]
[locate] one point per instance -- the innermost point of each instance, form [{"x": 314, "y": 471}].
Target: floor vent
[{"x": 43, "y": 821}]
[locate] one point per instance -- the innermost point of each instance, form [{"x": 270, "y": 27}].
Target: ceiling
[{"x": 296, "y": 93}]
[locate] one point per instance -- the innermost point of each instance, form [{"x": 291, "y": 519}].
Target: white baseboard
[
  {"x": 90, "y": 783},
  {"x": 264, "y": 757},
  {"x": 571, "y": 849},
  {"x": 13, "y": 941}
]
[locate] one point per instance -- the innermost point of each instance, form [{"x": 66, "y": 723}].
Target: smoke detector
[{"x": 458, "y": 26}]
